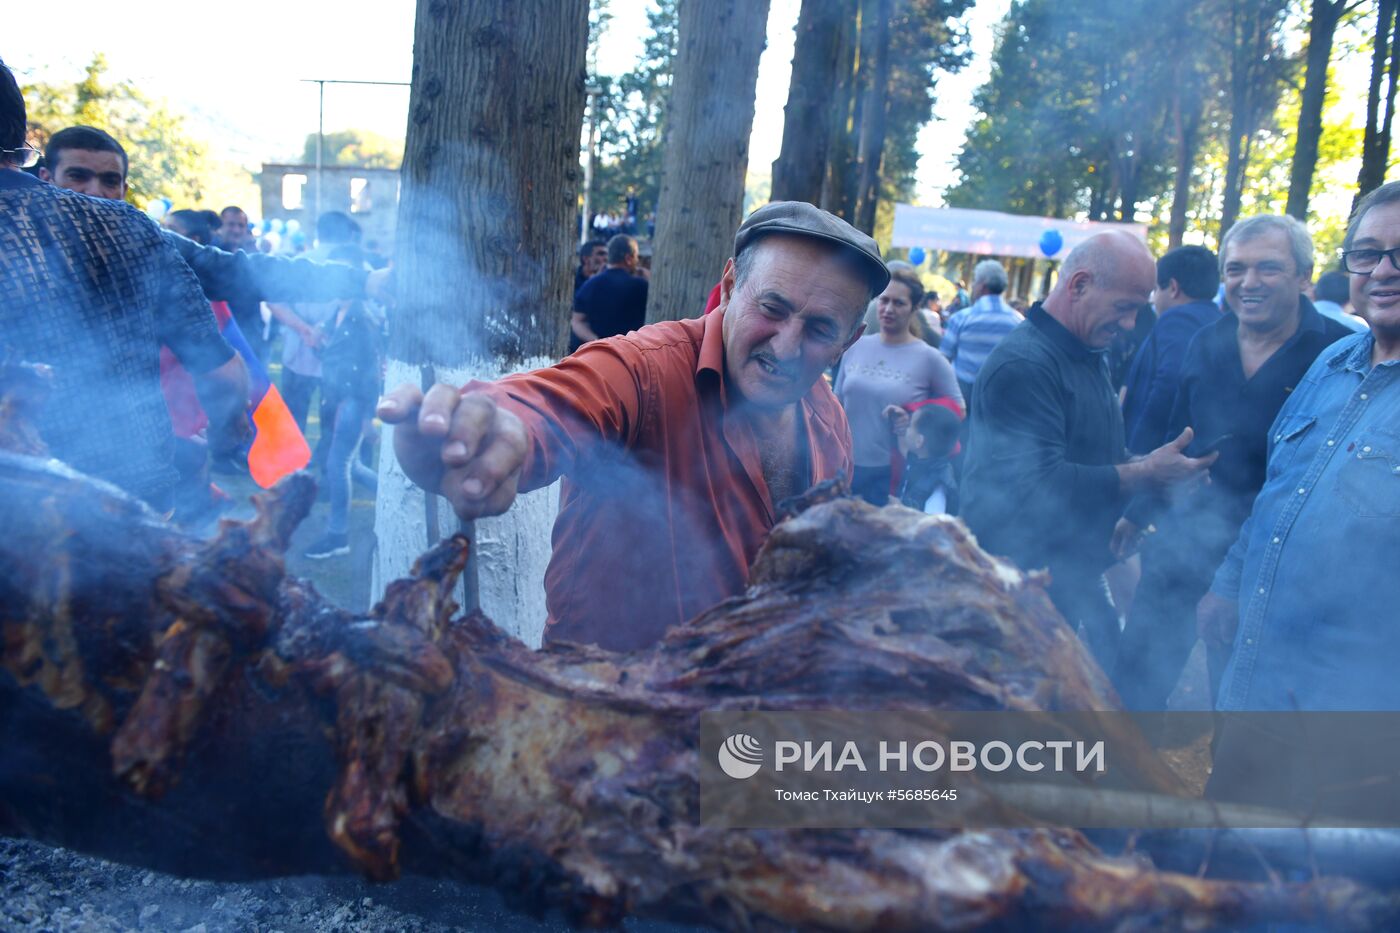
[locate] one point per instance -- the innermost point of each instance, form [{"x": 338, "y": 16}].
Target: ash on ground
[{"x": 60, "y": 891}]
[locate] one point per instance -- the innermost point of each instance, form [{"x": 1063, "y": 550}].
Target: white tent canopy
[{"x": 990, "y": 233}]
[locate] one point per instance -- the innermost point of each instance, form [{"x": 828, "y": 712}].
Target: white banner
[{"x": 992, "y": 233}]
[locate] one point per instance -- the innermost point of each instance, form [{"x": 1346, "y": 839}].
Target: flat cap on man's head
[{"x": 798, "y": 218}]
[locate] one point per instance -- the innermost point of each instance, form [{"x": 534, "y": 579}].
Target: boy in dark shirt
[{"x": 928, "y": 445}]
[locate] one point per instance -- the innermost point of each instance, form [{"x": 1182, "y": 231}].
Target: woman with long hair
[{"x": 891, "y": 367}]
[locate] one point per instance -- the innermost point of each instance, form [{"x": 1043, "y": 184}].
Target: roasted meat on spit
[{"x": 185, "y": 705}]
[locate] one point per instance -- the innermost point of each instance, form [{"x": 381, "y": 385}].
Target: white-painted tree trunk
[
  {"x": 484, "y": 253},
  {"x": 512, "y": 550}
]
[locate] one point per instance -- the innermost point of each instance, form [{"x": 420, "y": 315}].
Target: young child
[{"x": 928, "y": 445}]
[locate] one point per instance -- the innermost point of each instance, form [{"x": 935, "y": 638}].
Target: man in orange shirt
[{"x": 676, "y": 441}]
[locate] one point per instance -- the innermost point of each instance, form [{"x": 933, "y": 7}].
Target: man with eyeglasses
[
  {"x": 1235, "y": 375},
  {"x": 92, "y": 288},
  {"x": 1310, "y": 587}
]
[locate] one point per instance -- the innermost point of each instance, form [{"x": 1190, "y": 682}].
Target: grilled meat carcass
[{"x": 185, "y": 705}]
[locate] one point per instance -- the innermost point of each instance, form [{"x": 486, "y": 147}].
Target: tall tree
[
  {"x": 871, "y": 149},
  {"x": 362, "y": 148},
  {"x": 1072, "y": 111},
  {"x": 1385, "y": 54},
  {"x": 892, "y": 56},
  {"x": 809, "y": 115},
  {"x": 1191, "y": 70},
  {"x": 1322, "y": 28},
  {"x": 840, "y": 150},
  {"x": 166, "y": 160},
  {"x": 927, "y": 40},
  {"x": 484, "y": 248},
  {"x": 1257, "y": 68},
  {"x": 707, "y": 150},
  {"x": 634, "y": 111}
]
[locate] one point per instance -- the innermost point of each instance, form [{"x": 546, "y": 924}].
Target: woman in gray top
[{"x": 892, "y": 367}]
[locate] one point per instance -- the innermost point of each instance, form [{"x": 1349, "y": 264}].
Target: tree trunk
[
  {"x": 1254, "y": 82},
  {"x": 839, "y": 151},
  {"x": 1130, "y": 176},
  {"x": 1241, "y": 113},
  {"x": 1389, "y": 120},
  {"x": 484, "y": 253},
  {"x": 867, "y": 37},
  {"x": 809, "y": 117},
  {"x": 1096, "y": 196},
  {"x": 1186, "y": 106},
  {"x": 1375, "y": 147},
  {"x": 872, "y": 125},
  {"x": 1325, "y": 16},
  {"x": 707, "y": 151},
  {"x": 1186, "y": 119}
]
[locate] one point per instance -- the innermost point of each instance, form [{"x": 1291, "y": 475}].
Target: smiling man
[
  {"x": 1046, "y": 478},
  {"x": 1235, "y": 376},
  {"x": 676, "y": 441},
  {"x": 1308, "y": 592}
]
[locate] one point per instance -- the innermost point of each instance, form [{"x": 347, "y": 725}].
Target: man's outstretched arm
[
  {"x": 224, "y": 276},
  {"x": 479, "y": 445}
]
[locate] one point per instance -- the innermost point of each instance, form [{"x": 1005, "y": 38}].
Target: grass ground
[{"x": 345, "y": 580}]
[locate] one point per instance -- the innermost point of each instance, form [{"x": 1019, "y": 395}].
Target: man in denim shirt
[{"x": 1310, "y": 590}]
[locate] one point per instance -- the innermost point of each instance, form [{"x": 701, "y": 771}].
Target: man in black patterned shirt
[{"x": 92, "y": 288}]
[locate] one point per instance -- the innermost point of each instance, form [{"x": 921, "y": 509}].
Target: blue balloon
[
  {"x": 916, "y": 255},
  {"x": 1051, "y": 242}
]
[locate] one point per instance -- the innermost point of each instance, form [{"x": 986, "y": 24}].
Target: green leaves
[{"x": 166, "y": 161}]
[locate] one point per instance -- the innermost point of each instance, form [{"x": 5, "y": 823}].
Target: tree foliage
[
  {"x": 361, "y": 148},
  {"x": 1075, "y": 118},
  {"x": 165, "y": 160},
  {"x": 926, "y": 39},
  {"x": 631, "y": 116},
  {"x": 1182, "y": 115},
  {"x": 1380, "y": 106}
]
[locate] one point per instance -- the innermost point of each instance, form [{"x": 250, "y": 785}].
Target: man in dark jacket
[
  {"x": 1235, "y": 376},
  {"x": 1046, "y": 478},
  {"x": 1184, "y": 299}
]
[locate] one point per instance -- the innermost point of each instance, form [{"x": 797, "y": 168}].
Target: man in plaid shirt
[{"x": 91, "y": 288}]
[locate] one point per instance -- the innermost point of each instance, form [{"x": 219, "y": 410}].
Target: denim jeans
[
  {"x": 341, "y": 461},
  {"x": 296, "y": 392}
]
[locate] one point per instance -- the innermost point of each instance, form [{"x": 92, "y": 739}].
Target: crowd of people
[
  {"x": 1180, "y": 427},
  {"x": 158, "y": 340},
  {"x": 1227, "y": 423}
]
